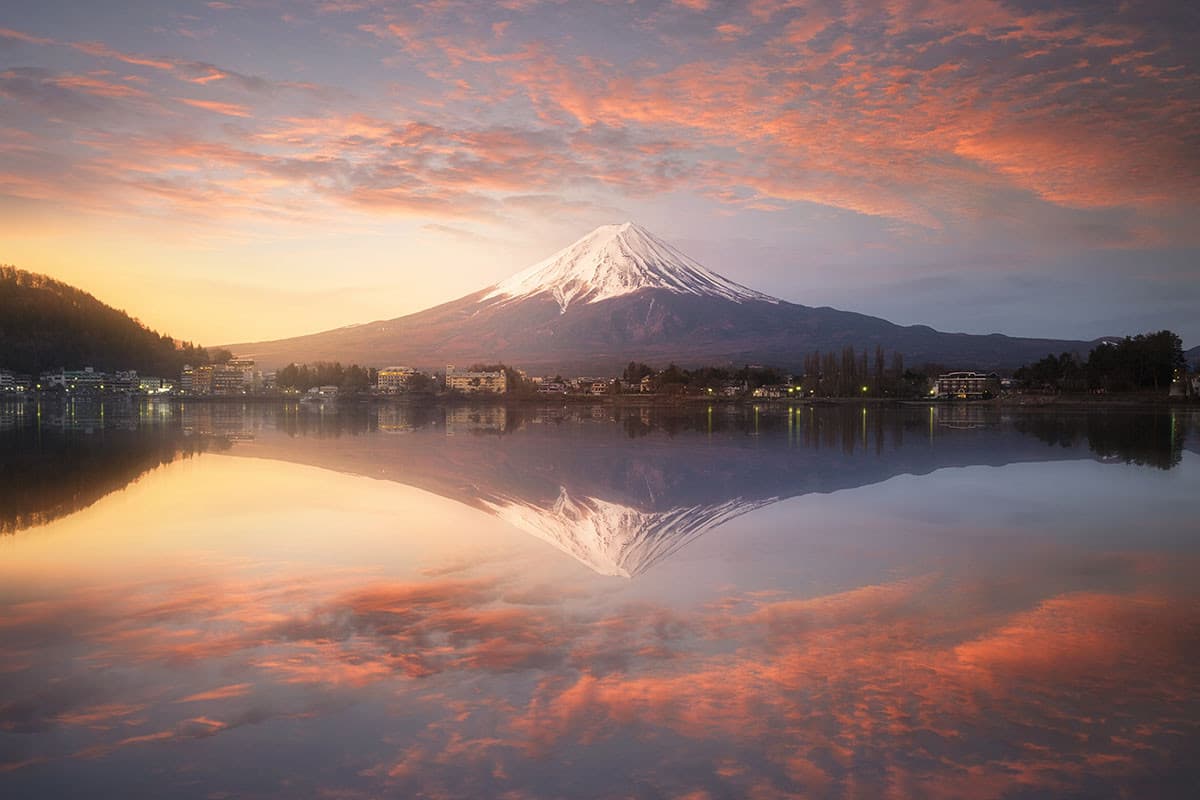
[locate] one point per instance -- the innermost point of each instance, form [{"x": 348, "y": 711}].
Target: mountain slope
[
  {"x": 616, "y": 260},
  {"x": 46, "y": 324},
  {"x": 620, "y": 294}
]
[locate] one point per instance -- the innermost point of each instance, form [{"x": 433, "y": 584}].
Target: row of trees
[
  {"x": 324, "y": 373},
  {"x": 828, "y": 374},
  {"x": 675, "y": 378},
  {"x": 856, "y": 373},
  {"x": 1148, "y": 361}
]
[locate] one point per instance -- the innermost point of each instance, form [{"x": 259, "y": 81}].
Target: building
[
  {"x": 126, "y": 381},
  {"x": 967, "y": 385},
  {"x": 320, "y": 394},
  {"x": 599, "y": 387},
  {"x": 228, "y": 380},
  {"x": 74, "y": 380},
  {"x": 252, "y": 379},
  {"x": 552, "y": 387},
  {"x": 8, "y": 381},
  {"x": 393, "y": 380},
  {"x": 154, "y": 385},
  {"x": 476, "y": 382},
  {"x": 196, "y": 380}
]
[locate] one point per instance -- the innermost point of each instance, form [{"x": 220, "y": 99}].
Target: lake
[{"x": 225, "y": 601}]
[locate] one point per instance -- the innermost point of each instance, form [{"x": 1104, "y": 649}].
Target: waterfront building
[
  {"x": 125, "y": 381},
  {"x": 8, "y": 381},
  {"x": 202, "y": 380},
  {"x": 319, "y": 394},
  {"x": 475, "y": 382},
  {"x": 252, "y": 380},
  {"x": 393, "y": 380},
  {"x": 227, "y": 380},
  {"x": 73, "y": 380},
  {"x": 967, "y": 385},
  {"x": 154, "y": 385}
]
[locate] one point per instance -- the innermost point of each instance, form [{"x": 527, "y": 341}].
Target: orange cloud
[
  {"x": 220, "y": 693},
  {"x": 750, "y": 694},
  {"x": 228, "y": 109}
]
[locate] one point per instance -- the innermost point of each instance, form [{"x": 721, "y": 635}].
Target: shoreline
[{"x": 1017, "y": 402}]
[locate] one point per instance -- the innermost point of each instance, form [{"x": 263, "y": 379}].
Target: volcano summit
[{"x": 621, "y": 294}]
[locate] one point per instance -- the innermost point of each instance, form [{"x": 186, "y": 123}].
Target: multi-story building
[
  {"x": 228, "y": 380},
  {"x": 251, "y": 377},
  {"x": 968, "y": 385},
  {"x": 8, "y": 382},
  {"x": 201, "y": 379},
  {"x": 73, "y": 380},
  {"x": 475, "y": 382},
  {"x": 125, "y": 381},
  {"x": 393, "y": 380},
  {"x": 154, "y": 385}
]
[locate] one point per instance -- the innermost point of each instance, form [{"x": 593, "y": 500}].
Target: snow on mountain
[
  {"x": 616, "y": 539},
  {"x": 616, "y": 260}
]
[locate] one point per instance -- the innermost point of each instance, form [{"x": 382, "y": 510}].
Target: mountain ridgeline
[
  {"x": 620, "y": 294},
  {"x": 46, "y": 324}
]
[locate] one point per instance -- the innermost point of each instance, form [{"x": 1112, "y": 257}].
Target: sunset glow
[{"x": 233, "y": 171}]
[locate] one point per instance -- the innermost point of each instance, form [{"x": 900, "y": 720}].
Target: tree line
[
  {"x": 1148, "y": 361},
  {"x": 845, "y": 373},
  {"x": 303, "y": 377}
]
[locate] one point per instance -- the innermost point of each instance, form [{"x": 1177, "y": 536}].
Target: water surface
[{"x": 223, "y": 601}]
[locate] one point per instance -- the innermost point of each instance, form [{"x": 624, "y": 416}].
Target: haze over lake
[{"x": 217, "y": 600}]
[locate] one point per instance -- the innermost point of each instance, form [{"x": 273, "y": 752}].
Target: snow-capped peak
[
  {"x": 614, "y": 538},
  {"x": 615, "y": 260}
]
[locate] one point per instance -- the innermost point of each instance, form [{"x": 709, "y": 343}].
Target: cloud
[
  {"x": 883, "y": 689},
  {"x": 228, "y": 109}
]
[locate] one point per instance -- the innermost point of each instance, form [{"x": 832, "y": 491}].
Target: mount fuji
[{"x": 619, "y": 294}]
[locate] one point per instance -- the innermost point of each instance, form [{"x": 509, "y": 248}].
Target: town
[{"x": 844, "y": 375}]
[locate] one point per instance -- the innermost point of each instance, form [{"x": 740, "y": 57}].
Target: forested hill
[{"x": 46, "y": 324}]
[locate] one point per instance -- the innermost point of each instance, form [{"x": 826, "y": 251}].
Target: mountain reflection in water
[
  {"x": 216, "y": 601},
  {"x": 565, "y": 475}
]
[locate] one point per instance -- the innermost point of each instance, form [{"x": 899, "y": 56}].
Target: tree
[
  {"x": 1146, "y": 361},
  {"x": 635, "y": 371}
]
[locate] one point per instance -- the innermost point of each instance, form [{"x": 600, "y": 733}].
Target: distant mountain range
[{"x": 621, "y": 294}]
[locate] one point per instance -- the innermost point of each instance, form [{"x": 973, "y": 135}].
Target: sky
[{"x": 251, "y": 169}]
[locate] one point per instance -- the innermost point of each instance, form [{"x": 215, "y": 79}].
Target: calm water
[{"x": 221, "y": 602}]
